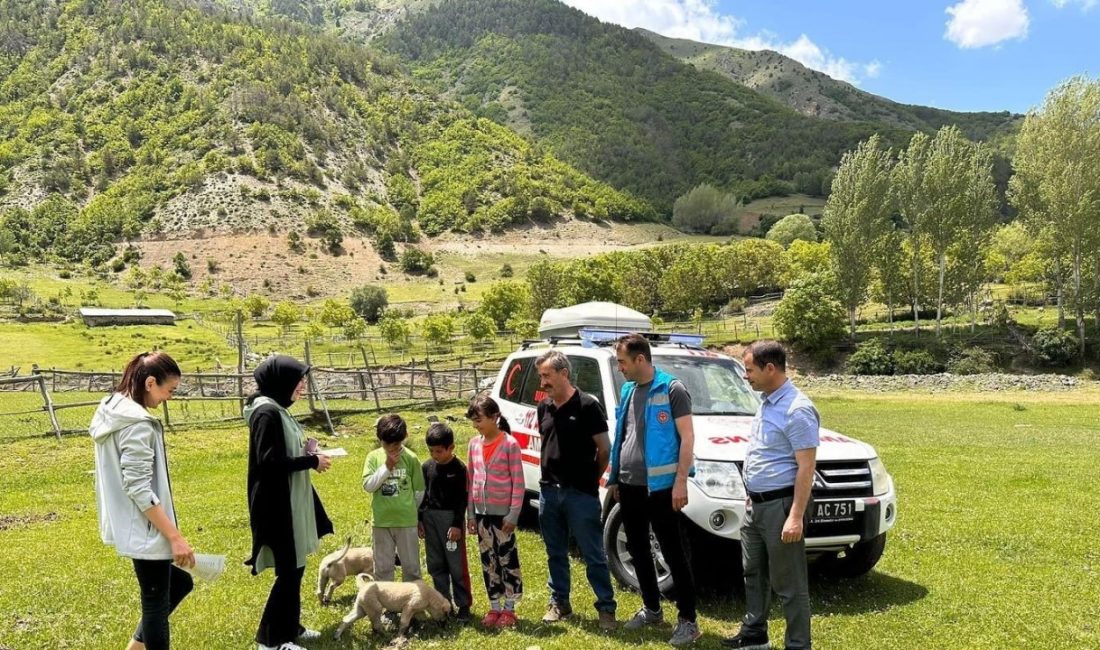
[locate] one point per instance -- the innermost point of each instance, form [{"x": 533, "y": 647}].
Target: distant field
[{"x": 994, "y": 546}]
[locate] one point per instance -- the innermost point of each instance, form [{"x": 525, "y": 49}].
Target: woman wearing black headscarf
[{"x": 286, "y": 515}]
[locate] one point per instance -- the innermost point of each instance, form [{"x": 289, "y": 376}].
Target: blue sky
[{"x": 959, "y": 54}]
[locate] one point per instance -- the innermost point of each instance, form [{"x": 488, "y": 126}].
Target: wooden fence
[{"x": 218, "y": 397}]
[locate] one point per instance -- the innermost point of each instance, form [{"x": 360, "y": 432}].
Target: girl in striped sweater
[{"x": 495, "y": 474}]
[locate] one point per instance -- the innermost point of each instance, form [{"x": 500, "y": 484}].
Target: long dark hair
[
  {"x": 482, "y": 405},
  {"x": 157, "y": 365}
]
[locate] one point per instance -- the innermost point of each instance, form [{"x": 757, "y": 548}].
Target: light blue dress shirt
[{"x": 786, "y": 422}]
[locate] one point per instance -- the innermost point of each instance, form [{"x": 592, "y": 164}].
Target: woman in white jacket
[{"x": 134, "y": 493}]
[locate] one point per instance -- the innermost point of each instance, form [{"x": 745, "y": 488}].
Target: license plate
[{"x": 832, "y": 511}]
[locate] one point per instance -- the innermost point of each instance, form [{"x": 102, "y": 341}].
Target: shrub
[
  {"x": 369, "y": 302},
  {"x": 1055, "y": 347},
  {"x": 479, "y": 326},
  {"x": 470, "y": 277},
  {"x": 971, "y": 361},
  {"x": 394, "y": 330},
  {"x": 183, "y": 268},
  {"x": 809, "y": 315},
  {"x": 506, "y": 271},
  {"x": 438, "y": 329},
  {"x": 256, "y": 305},
  {"x": 211, "y": 265},
  {"x": 504, "y": 300},
  {"x": 416, "y": 262},
  {"x": 871, "y": 358},
  {"x": 792, "y": 228},
  {"x": 915, "y": 362}
]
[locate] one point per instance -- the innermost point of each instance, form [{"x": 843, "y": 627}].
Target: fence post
[
  {"x": 431, "y": 380},
  {"x": 240, "y": 361},
  {"x": 370, "y": 377},
  {"x": 412, "y": 376},
  {"x": 48, "y": 404},
  {"x": 167, "y": 420},
  {"x": 312, "y": 384}
]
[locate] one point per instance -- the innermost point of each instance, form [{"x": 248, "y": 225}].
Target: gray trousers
[
  {"x": 401, "y": 542},
  {"x": 770, "y": 565},
  {"x": 449, "y": 569}
]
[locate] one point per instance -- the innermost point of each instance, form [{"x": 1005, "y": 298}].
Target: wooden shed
[{"x": 97, "y": 317}]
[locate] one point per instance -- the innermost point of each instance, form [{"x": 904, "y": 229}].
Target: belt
[{"x": 771, "y": 495}]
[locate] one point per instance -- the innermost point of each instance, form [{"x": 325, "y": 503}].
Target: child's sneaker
[
  {"x": 507, "y": 618},
  {"x": 491, "y": 619},
  {"x": 463, "y": 615}
]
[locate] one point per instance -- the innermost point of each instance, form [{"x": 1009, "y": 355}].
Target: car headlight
[
  {"x": 880, "y": 478},
  {"x": 720, "y": 480}
]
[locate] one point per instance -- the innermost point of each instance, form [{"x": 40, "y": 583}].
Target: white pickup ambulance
[{"x": 854, "y": 500}]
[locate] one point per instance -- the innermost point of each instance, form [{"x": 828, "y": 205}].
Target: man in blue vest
[
  {"x": 651, "y": 460},
  {"x": 779, "y": 474}
]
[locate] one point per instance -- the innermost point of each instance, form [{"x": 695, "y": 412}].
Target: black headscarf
[{"x": 278, "y": 376}]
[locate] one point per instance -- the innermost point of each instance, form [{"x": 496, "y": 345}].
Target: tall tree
[
  {"x": 857, "y": 215},
  {"x": 914, "y": 202},
  {"x": 1057, "y": 155}
]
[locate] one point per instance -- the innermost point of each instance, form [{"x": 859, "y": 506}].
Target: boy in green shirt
[{"x": 392, "y": 474}]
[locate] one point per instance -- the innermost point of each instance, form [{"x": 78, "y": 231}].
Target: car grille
[{"x": 834, "y": 479}]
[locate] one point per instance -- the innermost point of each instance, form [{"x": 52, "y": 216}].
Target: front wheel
[{"x": 619, "y": 559}]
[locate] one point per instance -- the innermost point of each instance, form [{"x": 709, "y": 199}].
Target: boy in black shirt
[{"x": 442, "y": 519}]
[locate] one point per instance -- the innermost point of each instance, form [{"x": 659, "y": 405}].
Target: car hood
[{"x": 726, "y": 437}]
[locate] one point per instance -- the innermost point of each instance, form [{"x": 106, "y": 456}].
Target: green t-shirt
[{"x": 394, "y": 503}]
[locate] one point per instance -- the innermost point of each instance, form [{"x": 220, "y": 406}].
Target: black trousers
[
  {"x": 281, "y": 620},
  {"x": 643, "y": 510},
  {"x": 163, "y": 586}
]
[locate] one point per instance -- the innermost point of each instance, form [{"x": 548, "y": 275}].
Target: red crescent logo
[{"x": 662, "y": 417}]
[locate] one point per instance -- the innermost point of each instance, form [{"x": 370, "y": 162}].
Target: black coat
[{"x": 269, "y": 469}]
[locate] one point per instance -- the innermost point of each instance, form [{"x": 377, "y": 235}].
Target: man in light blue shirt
[{"x": 779, "y": 471}]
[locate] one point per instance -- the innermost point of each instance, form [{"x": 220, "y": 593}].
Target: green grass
[
  {"x": 73, "y": 346},
  {"x": 994, "y": 548}
]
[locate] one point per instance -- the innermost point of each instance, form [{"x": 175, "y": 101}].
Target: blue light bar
[
  {"x": 592, "y": 337},
  {"x": 692, "y": 340}
]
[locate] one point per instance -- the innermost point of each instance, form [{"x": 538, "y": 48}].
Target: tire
[
  {"x": 855, "y": 561},
  {"x": 619, "y": 560}
]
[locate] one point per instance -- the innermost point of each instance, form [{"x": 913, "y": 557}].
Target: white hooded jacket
[{"x": 131, "y": 476}]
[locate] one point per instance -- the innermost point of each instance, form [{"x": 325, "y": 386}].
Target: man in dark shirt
[
  {"x": 575, "y": 450},
  {"x": 442, "y": 519}
]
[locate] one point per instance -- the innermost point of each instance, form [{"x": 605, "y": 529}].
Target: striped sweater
[{"x": 496, "y": 484}]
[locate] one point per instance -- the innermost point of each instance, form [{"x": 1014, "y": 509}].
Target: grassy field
[{"x": 994, "y": 548}]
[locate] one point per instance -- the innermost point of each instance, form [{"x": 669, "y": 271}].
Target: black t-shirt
[
  {"x": 568, "y": 441},
  {"x": 445, "y": 488}
]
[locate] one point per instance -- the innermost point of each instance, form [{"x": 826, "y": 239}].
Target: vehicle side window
[
  {"x": 511, "y": 387},
  {"x": 586, "y": 376},
  {"x": 530, "y": 392}
]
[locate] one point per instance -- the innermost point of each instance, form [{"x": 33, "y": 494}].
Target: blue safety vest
[{"x": 662, "y": 441}]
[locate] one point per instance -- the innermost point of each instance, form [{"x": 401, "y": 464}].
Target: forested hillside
[
  {"x": 814, "y": 93},
  {"x": 162, "y": 116},
  {"x": 611, "y": 102}
]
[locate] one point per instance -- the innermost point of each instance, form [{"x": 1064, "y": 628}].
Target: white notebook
[{"x": 207, "y": 567}]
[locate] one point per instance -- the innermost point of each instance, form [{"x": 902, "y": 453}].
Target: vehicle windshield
[{"x": 717, "y": 385}]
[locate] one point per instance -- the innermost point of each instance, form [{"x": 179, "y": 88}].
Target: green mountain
[
  {"x": 166, "y": 116},
  {"x": 615, "y": 104},
  {"x": 817, "y": 94}
]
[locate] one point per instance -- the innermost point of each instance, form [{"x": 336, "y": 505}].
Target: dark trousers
[
  {"x": 163, "y": 586},
  {"x": 770, "y": 564},
  {"x": 449, "y": 570},
  {"x": 643, "y": 511},
  {"x": 281, "y": 620},
  {"x": 499, "y": 559},
  {"x": 565, "y": 511}
]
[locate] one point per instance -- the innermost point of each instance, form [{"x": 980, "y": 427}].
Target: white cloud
[
  {"x": 1085, "y": 4},
  {"x": 699, "y": 20},
  {"x": 980, "y": 23}
]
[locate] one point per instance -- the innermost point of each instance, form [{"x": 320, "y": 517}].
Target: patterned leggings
[{"x": 499, "y": 559}]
